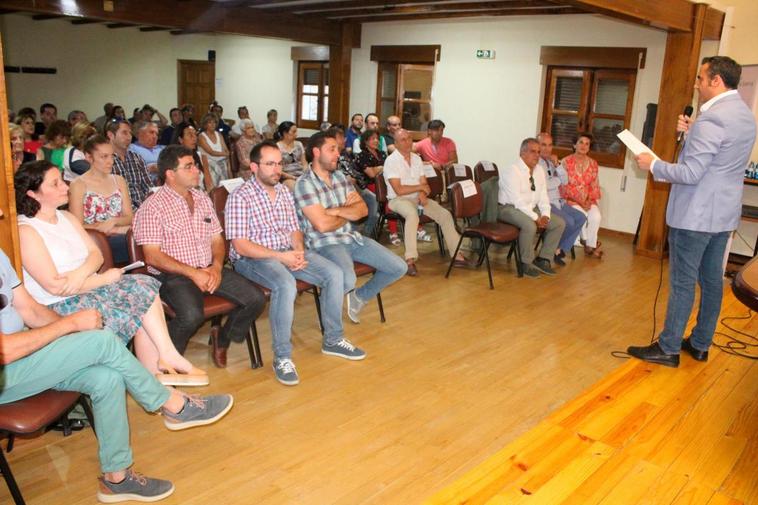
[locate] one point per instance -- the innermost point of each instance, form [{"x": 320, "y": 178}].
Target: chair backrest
[
  {"x": 380, "y": 187},
  {"x": 458, "y": 172},
  {"x": 466, "y": 207},
  {"x": 135, "y": 252},
  {"x": 101, "y": 241},
  {"x": 435, "y": 183},
  {"x": 485, "y": 170}
]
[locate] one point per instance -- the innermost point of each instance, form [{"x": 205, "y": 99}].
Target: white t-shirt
[{"x": 395, "y": 167}]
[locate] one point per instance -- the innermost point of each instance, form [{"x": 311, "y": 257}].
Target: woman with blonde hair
[{"x": 211, "y": 143}]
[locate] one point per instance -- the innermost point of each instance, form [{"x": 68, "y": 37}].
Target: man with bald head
[
  {"x": 408, "y": 195},
  {"x": 393, "y": 125}
]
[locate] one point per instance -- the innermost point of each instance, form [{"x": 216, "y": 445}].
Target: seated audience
[
  {"x": 392, "y": 124},
  {"x": 364, "y": 184},
  {"x": 181, "y": 238},
  {"x": 437, "y": 149},
  {"x": 56, "y": 141},
  {"x": 48, "y": 113},
  {"x": 74, "y": 161},
  {"x": 242, "y": 113},
  {"x": 556, "y": 177},
  {"x": 188, "y": 114},
  {"x": 99, "y": 122},
  {"x": 167, "y": 135},
  {"x": 31, "y": 141},
  {"x": 74, "y": 353},
  {"x": 61, "y": 261},
  {"x": 582, "y": 192},
  {"x": 221, "y": 126},
  {"x": 186, "y": 136},
  {"x": 18, "y": 155},
  {"x": 327, "y": 205},
  {"x": 372, "y": 123},
  {"x": 523, "y": 202},
  {"x": 268, "y": 248},
  {"x": 293, "y": 153},
  {"x": 99, "y": 199},
  {"x": 148, "y": 112},
  {"x": 244, "y": 144},
  {"x": 211, "y": 143},
  {"x": 128, "y": 164},
  {"x": 147, "y": 146},
  {"x": 117, "y": 114},
  {"x": 356, "y": 127},
  {"x": 75, "y": 117},
  {"x": 369, "y": 159},
  {"x": 271, "y": 126},
  {"x": 408, "y": 194}
]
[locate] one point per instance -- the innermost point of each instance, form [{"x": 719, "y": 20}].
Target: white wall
[
  {"x": 128, "y": 67},
  {"x": 489, "y": 106}
]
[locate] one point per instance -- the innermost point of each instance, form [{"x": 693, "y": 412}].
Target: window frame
[
  {"x": 399, "y": 100},
  {"x": 322, "y": 94},
  {"x": 591, "y": 77}
]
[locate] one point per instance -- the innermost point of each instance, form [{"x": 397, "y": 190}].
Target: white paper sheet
[
  {"x": 468, "y": 187},
  {"x": 460, "y": 170},
  {"x": 488, "y": 166},
  {"x": 429, "y": 171},
  {"x": 634, "y": 144},
  {"x": 232, "y": 184}
]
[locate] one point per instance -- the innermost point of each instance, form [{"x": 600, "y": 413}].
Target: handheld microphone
[{"x": 687, "y": 113}]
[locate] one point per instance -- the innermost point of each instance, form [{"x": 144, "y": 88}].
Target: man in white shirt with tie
[{"x": 523, "y": 202}]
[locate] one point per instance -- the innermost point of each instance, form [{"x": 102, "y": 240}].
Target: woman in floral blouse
[{"x": 583, "y": 191}]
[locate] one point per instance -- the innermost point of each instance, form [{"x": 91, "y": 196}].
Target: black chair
[{"x": 466, "y": 208}]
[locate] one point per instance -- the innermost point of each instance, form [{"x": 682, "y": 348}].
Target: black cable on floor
[{"x": 734, "y": 344}]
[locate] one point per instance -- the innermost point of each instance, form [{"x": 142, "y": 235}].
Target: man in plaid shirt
[
  {"x": 127, "y": 164},
  {"x": 268, "y": 248},
  {"x": 327, "y": 205},
  {"x": 180, "y": 235}
]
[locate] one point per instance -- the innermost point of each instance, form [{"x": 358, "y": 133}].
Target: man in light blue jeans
[
  {"x": 267, "y": 247},
  {"x": 327, "y": 204}
]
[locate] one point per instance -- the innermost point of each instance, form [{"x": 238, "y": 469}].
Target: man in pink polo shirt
[{"x": 438, "y": 150}]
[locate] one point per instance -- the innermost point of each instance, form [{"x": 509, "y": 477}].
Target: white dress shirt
[
  {"x": 516, "y": 189},
  {"x": 395, "y": 167}
]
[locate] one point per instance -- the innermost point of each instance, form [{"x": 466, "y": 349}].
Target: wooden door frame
[{"x": 8, "y": 196}]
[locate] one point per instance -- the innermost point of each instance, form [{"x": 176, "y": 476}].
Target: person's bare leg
[
  {"x": 154, "y": 324},
  {"x": 146, "y": 351}
]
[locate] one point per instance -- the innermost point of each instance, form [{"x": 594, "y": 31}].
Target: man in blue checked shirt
[{"x": 327, "y": 205}]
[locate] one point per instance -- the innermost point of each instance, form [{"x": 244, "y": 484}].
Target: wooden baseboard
[{"x": 621, "y": 234}]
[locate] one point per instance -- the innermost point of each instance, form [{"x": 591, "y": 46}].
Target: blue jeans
[
  {"x": 574, "y": 222},
  {"x": 281, "y": 281},
  {"x": 369, "y": 225},
  {"x": 389, "y": 267},
  {"x": 694, "y": 257}
]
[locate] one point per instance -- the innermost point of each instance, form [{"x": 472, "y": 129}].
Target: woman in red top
[{"x": 583, "y": 191}]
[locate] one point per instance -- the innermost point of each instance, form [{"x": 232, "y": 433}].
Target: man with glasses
[
  {"x": 181, "y": 238},
  {"x": 269, "y": 249},
  {"x": 523, "y": 202}
]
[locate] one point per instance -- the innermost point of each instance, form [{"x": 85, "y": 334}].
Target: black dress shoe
[
  {"x": 696, "y": 355},
  {"x": 654, "y": 354}
]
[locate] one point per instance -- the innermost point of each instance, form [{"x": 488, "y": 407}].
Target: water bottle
[{"x": 420, "y": 210}]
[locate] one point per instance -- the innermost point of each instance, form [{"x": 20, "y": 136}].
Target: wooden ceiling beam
[
  {"x": 197, "y": 15},
  {"x": 45, "y": 17},
  {"x": 446, "y": 15},
  {"x": 114, "y": 26},
  {"x": 84, "y": 21},
  {"x": 384, "y": 8},
  {"x": 153, "y": 29}
]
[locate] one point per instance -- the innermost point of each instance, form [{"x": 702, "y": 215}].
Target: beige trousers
[{"x": 409, "y": 210}]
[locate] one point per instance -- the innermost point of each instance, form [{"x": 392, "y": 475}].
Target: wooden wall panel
[{"x": 8, "y": 224}]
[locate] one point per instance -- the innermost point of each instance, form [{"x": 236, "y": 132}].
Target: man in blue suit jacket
[{"x": 704, "y": 208}]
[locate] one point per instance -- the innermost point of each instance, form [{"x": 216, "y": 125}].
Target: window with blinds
[{"x": 592, "y": 100}]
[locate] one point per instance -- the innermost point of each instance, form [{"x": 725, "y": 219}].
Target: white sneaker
[
  {"x": 395, "y": 239},
  {"x": 423, "y": 236}
]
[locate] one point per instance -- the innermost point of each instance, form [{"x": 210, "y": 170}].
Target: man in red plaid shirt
[{"x": 181, "y": 237}]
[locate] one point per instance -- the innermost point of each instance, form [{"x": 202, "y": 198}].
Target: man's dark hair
[
  {"x": 338, "y": 126},
  {"x": 47, "y": 106},
  {"x": 355, "y": 116},
  {"x": 113, "y": 125},
  {"x": 168, "y": 159},
  {"x": 316, "y": 141},
  {"x": 435, "y": 124},
  {"x": 726, "y": 68},
  {"x": 91, "y": 143},
  {"x": 59, "y": 127},
  {"x": 255, "y": 152},
  {"x": 240, "y": 109},
  {"x": 372, "y": 114},
  {"x": 172, "y": 111}
]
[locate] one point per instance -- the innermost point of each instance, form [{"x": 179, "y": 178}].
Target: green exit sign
[{"x": 485, "y": 54}]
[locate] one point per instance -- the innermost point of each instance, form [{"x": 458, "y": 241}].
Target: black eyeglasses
[{"x": 531, "y": 180}]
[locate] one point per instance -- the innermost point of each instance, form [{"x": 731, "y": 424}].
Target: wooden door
[
  {"x": 8, "y": 224},
  {"x": 196, "y": 81}
]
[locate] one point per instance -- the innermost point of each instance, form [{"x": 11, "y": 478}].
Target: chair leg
[
  {"x": 318, "y": 309},
  {"x": 515, "y": 250},
  {"x": 573, "y": 253},
  {"x": 487, "y": 260},
  {"x": 88, "y": 412},
  {"x": 440, "y": 241},
  {"x": 11, "y": 440},
  {"x": 5, "y": 468},
  {"x": 452, "y": 259},
  {"x": 253, "y": 348},
  {"x": 381, "y": 307}
]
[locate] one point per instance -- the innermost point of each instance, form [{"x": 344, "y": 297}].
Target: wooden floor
[{"x": 457, "y": 373}]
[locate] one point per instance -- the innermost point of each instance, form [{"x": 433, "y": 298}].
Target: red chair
[
  {"x": 500, "y": 233},
  {"x": 485, "y": 170},
  {"x": 32, "y": 415}
]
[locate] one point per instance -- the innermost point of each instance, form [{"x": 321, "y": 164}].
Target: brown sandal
[{"x": 593, "y": 252}]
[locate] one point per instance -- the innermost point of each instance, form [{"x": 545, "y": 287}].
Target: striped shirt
[
  {"x": 311, "y": 190},
  {"x": 250, "y": 214},
  {"x": 133, "y": 169},
  {"x": 165, "y": 219}
]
